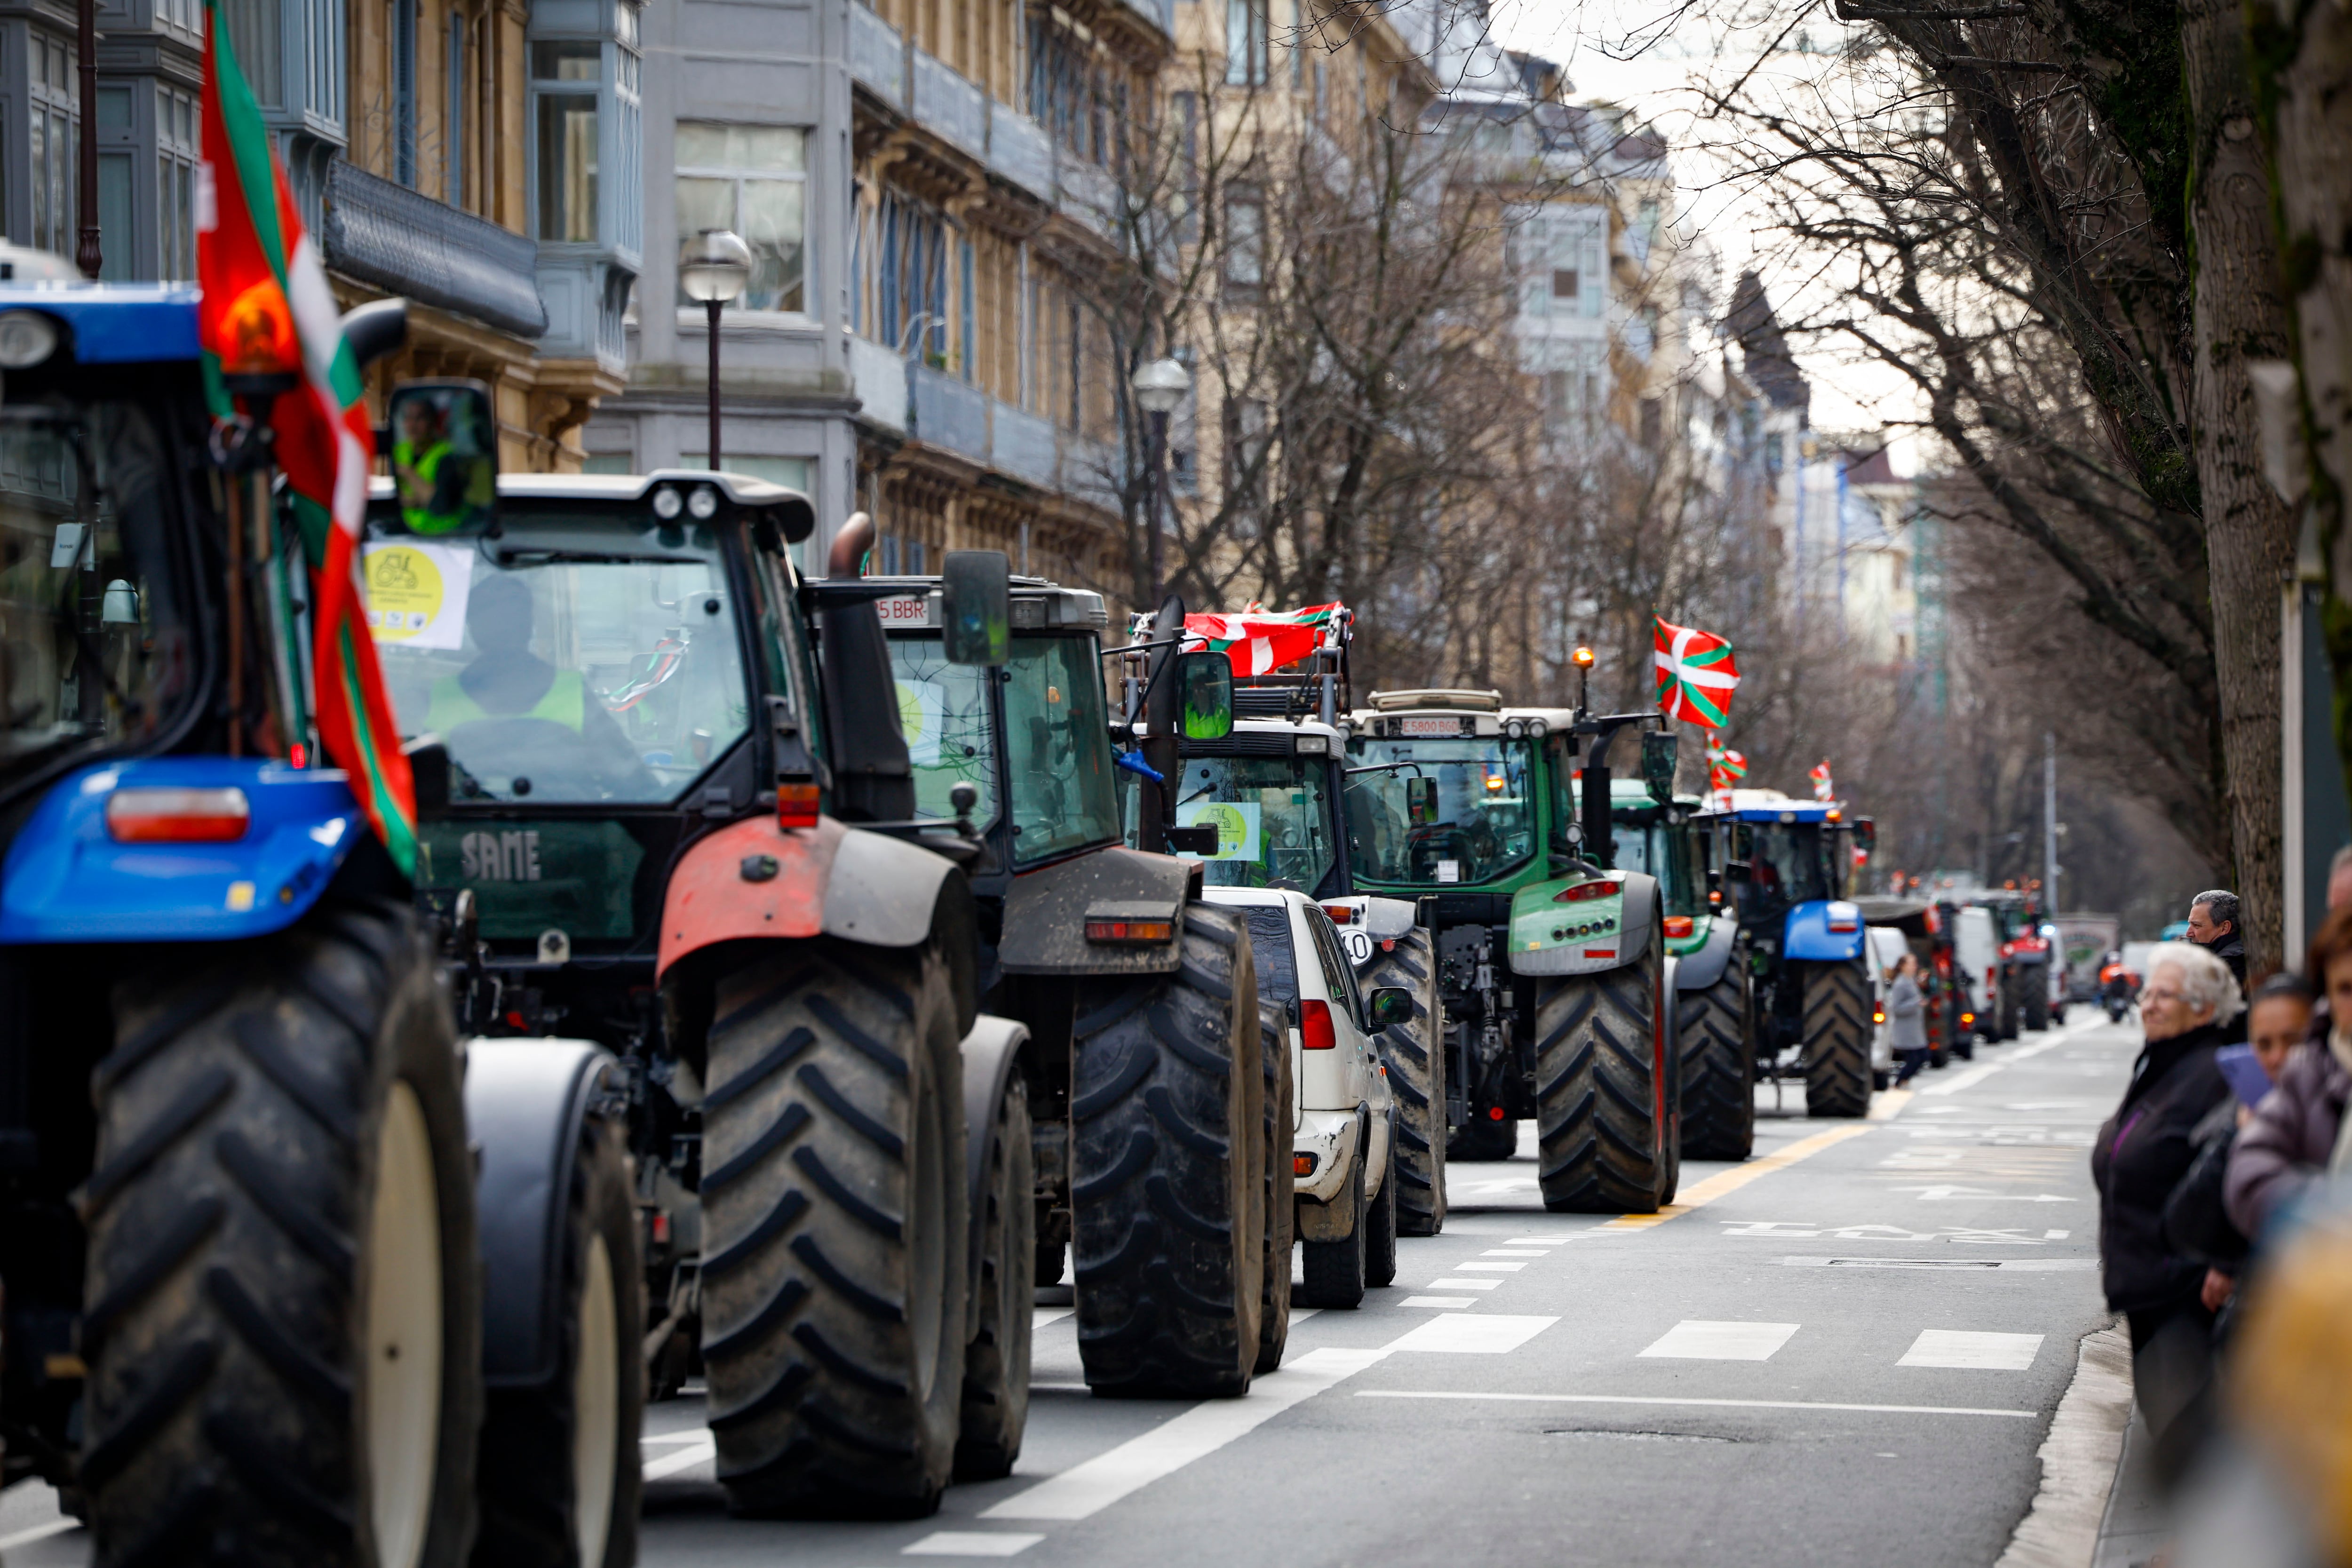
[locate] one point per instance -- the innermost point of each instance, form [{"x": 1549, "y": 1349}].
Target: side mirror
[
  {"x": 976, "y": 606},
  {"x": 1204, "y": 695},
  {"x": 1389, "y": 1005},
  {"x": 444, "y": 455},
  {"x": 1866, "y": 833},
  {"x": 1421, "y": 800},
  {"x": 428, "y": 772},
  {"x": 1658, "y": 764},
  {"x": 1737, "y": 871}
]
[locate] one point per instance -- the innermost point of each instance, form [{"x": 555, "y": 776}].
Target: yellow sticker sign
[{"x": 417, "y": 594}]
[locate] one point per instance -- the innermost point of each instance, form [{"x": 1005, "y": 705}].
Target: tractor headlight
[
  {"x": 1536, "y": 729},
  {"x": 1514, "y": 729},
  {"x": 667, "y": 504},
  {"x": 26, "y": 338},
  {"x": 703, "y": 504}
]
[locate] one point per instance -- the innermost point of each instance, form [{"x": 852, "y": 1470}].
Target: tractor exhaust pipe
[{"x": 851, "y": 546}]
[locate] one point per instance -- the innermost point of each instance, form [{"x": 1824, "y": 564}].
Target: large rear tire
[
  {"x": 284, "y": 1330},
  {"x": 1380, "y": 1226},
  {"x": 561, "y": 1475},
  {"x": 1281, "y": 1194},
  {"x": 1837, "y": 1038},
  {"x": 1599, "y": 1043},
  {"x": 996, "y": 1367},
  {"x": 1167, "y": 1189},
  {"x": 1415, "y": 1054},
  {"x": 2037, "y": 999},
  {"x": 1718, "y": 1067},
  {"x": 834, "y": 1226}
]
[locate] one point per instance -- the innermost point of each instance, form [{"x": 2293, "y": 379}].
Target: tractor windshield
[
  {"x": 579, "y": 657},
  {"x": 1273, "y": 817},
  {"x": 951, "y": 739},
  {"x": 95, "y": 653},
  {"x": 1477, "y": 822},
  {"x": 1663, "y": 850},
  {"x": 1788, "y": 863}
]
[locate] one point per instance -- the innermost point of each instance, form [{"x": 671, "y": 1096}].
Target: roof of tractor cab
[
  {"x": 1037, "y": 602},
  {"x": 740, "y": 489},
  {"x": 1771, "y": 806},
  {"x": 1556, "y": 720},
  {"x": 1633, "y": 792},
  {"x": 1267, "y": 737},
  {"x": 111, "y": 323},
  {"x": 1451, "y": 699}
]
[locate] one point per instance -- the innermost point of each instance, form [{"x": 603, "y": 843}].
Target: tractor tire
[
  {"x": 1600, "y": 1047},
  {"x": 1484, "y": 1138},
  {"x": 1837, "y": 1039},
  {"x": 1281, "y": 1194},
  {"x": 835, "y": 1238},
  {"x": 1379, "y": 1227},
  {"x": 1415, "y": 1054},
  {"x": 2005, "y": 1015},
  {"x": 2037, "y": 1002},
  {"x": 1332, "y": 1273},
  {"x": 1167, "y": 1189},
  {"x": 1719, "y": 1070},
  {"x": 284, "y": 1330},
  {"x": 560, "y": 1471},
  {"x": 996, "y": 1366}
]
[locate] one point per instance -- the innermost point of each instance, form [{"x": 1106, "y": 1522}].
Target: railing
[
  {"x": 411, "y": 244},
  {"x": 1021, "y": 445},
  {"x": 878, "y": 377},
  {"x": 950, "y": 105},
  {"x": 1091, "y": 470},
  {"x": 878, "y": 56},
  {"x": 950, "y": 413},
  {"x": 1019, "y": 150},
  {"x": 1089, "y": 194}
]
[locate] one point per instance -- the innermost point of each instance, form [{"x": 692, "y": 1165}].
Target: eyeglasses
[{"x": 2154, "y": 995}]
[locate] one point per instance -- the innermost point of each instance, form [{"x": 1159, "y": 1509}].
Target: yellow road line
[
  {"x": 1888, "y": 1103},
  {"x": 1738, "y": 1176}
]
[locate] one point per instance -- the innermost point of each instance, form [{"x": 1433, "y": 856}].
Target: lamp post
[
  {"x": 1161, "y": 388},
  {"x": 713, "y": 267}
]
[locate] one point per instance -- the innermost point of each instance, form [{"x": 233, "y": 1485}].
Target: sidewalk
[{"x": 2137, "y": 1524}]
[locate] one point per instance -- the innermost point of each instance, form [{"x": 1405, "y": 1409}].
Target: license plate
[
  {"x": 906, "y": 610},
  {"x": 1432, "y": 726}
]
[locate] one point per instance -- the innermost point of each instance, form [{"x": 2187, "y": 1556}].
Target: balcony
[
  {"x": 1021, "y": 445},
  {"x": 878, "y": 56},
  {"x": 950, "y": 105},
  {"x": 878, "y": 377},
  {"x": 1091, "y": 470},
  {"x": 411, "y": 244},
  {"x": 1089, "y": 196},
  {"x": 950, "y": 414},
  {"x": 1161, "y": 13},
  {"x": 1020, "y": 150}
]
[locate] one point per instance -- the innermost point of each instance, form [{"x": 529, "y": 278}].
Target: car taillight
[
  {"x": 1584, "y": 890},
  {"x": 1678, "y": 925},
  {"x": 1315, "y": 1033},
  {"x": 1302, "y": 1165},
  {"x": 1494, "y": 1113},
  {"x": 158, "y": 814},
  {"x": 1967, "y": 1018},
  {"x": 796, "y": 804}
]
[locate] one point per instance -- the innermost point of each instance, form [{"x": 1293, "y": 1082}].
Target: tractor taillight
[
  {"x": 796, "y": 804},
  {"x": 1678, "y": 925},
  {"x": 1315, "y": 1033},
  {"x": 1341, "y": 914},
  {"x": 1130, "y": 931},
  {"x": 1878, "y": 1015},
  {"x": 1583, "y": 890},
  {"x": 159, "y": 814}
]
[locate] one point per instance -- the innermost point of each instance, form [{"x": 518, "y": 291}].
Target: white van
[
  {"x": 1344, "y": 1123},
  {"x": 1976, "y": 960},
  {"x": 1887, "y": 947}
]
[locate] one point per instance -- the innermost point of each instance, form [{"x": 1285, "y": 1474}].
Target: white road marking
[
  {"x": 1951, "y": 1192},
  {"x": 1463, "y": 1284},
  {"x": 38, "y": 1532},
  {"x": 969, "y": 1543},
  {"x": 1515, "y": 1252},
  {"x": 1543, "y": 1240},
  {"x": 1491, "y": 1268},
  {"x": 2028, "y": 1265},
  {"x": 1967, "y": 1079},
  {"x": 1975, "y": 1352},
  {"x": 1301, "y": 1314},
  {"x": 686, "y": 1459},
  {"x": 1707, "y": 1404},
  {"x": 692, "y": 1435},
  {"x": 1439, "y": 1302},
  {"x": 1697, "y": 1338},
  {"x": 1086, "y": 1488},
  {"x": 1044, "y": 1315},
  {"x": 1455, "y": 1334}
]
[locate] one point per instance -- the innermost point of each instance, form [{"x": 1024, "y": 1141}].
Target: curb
[{"x": 2061, "y": 1528}]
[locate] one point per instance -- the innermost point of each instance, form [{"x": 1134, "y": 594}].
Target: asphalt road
[{"x": 1845, "y": 1351}]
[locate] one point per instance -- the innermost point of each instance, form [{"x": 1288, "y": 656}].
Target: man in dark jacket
[{"x": 2213, "y": 926}]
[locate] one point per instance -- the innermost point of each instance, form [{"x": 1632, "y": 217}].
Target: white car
[
  {"x": 1343, "y": 1131},
  {"x": 1887, "y": 947}
]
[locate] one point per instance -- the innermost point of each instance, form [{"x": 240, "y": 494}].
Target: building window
[
  {"x": 256, "y": 33},
  {"x": 1246, "y": 42},
  {"x": 1563, "y": 283},
  {"x": 52, "y": 146},
  {"x": 1245, "y": 239},
  {"x": 752, "y": 179},
  {"x": 453, "y": 141},
  {"x": 403, "y": 90},
  {"x": 179, "y": 147},
  {"x": 564, "y": 78}
]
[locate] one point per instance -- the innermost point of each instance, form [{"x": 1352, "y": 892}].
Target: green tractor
[{"x": 1553, "y": 969}]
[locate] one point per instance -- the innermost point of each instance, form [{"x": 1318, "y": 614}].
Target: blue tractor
[
  {"x": 1791, "y": 865},
  {"x": 249, "y": 1173}
]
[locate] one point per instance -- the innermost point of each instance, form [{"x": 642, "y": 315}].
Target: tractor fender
[
  {"x": 1636, "y": 922},
  {"x": 1807, "y": 934},
  {"x": 750, "y": 879},
  {"x": 525, "y": 1103},
  {"x": 1705, "y": 964},
  {"x": 1045, "y": 912},
  {"x": 991, "y": 1050}
]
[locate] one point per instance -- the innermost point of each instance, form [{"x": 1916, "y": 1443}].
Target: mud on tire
[
  {"x": 1167, "y": 1114},
  {"x": 996, "y": 1367},
  {"x": 1415, "y": 1054},
  {"x": 1837, "y": 1039},
  {"x": 834, "y": 1239},
  {"x": 1602, "y": 1125},
  {"x": 281, "y": 1196},
  {"x": 1281, "y": 1191},
  {"x": 1719, "y": 1070}
]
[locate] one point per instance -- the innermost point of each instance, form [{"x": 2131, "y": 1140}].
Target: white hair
[{"x": 2205, "y": 980}]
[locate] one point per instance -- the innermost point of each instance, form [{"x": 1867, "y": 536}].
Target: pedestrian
[
  {"x": 2137, "y": 1161},
  {"x": 1906, "y": 1024},
  {"x": 2213, "y": 926},
  {"x": 2339, "y": 881},
  {"x": 2297, "y": 1133}
]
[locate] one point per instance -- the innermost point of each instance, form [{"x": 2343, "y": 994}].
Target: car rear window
[{"x": 1277, "y": 963}]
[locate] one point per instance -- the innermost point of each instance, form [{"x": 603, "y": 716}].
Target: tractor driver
[{"x": 511, "y": 713}]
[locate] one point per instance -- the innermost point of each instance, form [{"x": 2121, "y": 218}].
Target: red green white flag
[
  {"x": 1260, "y": 642},
  {"x": 267, "y": 309},
  {"x": 1696, "y": 675},
  {"x": 1824, "y": 787}
]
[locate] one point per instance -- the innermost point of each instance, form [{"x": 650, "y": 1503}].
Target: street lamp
[
  {"x": 713, "y": 267},
  {"x": 1160, "y": 388}
]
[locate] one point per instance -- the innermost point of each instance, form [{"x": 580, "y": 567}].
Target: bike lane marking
[{"x": 1723, "y": 1183}]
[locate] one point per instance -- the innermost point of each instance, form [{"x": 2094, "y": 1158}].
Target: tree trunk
[{"x": 2239, "y": 316}]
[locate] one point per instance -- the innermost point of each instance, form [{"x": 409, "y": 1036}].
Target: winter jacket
[
  {"x": 2140, "y": 1156},
  {"x": 2288, "y": 1143},
  {"x": 1907, "y": 1025}
]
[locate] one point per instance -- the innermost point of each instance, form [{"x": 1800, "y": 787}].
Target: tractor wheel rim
[
  {"x": 595, "y": 1406},
  {"x": 401, "y": 1341}
]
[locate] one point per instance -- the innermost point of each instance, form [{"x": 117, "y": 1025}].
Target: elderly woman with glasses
[{"x": 2146, "y": 1147}]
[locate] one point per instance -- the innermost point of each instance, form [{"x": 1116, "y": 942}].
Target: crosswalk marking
[
  {"x": 1439, "y": 1302},
  {"x": 1707, "y": 1404},
  {"x": 969, "y": 1543},
  {"x": 1697, "y": 1338},
  {"x": 1492, "y": 1268},
  {"x": 1463, "y": 1284},
  {"x": 1975, "y": 1352},
  {"x": 687, "y": 1456},
  {"x": 1514, "y": 1252},
  {"x": 1044, "y": 1315},
  {"x": 1456, "y": 1334}
]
